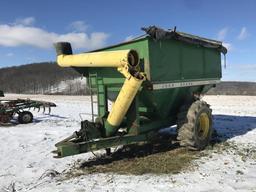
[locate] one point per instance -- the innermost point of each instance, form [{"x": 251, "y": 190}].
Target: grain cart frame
[{"x": 155, "y": 81}]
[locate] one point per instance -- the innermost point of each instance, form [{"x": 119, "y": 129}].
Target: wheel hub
[
  {"x": 26, "y": 118},
  {"x": 204, "y": 126}
]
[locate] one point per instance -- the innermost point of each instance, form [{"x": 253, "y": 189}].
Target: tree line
[
  {"x": 234, "y": 88},
  {"x": 38, "y": 78}
]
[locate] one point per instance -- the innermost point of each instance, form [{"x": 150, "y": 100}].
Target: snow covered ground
[
  {"x": 26, "y": 162},
  {"x": 72, "y": 86}
]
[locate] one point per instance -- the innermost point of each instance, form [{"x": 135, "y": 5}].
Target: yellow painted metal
[
  {"x": 123, "y": 60},
  {"x": 118, "y": 58},
  {"x": 204, "y": 125},
  {"x": 124, "y": 98}
]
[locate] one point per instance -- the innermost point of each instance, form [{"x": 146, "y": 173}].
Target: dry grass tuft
[
  {"x": 138, "y": 160},
  {"x": 172, "y": 161}
]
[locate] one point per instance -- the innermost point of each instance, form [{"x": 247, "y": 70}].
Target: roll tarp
[{"x": 160, "y": 34}]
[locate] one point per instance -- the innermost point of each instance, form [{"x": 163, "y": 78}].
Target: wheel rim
[
  {"x": 203, "y": 126},
  {"x": 4, "y": 119},
  {"x": 27, "y": 118}
]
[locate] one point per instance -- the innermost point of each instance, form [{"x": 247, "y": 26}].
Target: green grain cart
[{"x": 153, "y": 82}]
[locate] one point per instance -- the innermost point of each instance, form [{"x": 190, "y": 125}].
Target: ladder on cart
[{"x": 96, "y": 86}]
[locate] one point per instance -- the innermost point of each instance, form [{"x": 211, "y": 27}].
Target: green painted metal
[
  {"x": 163, "y": 61},
  {"x": 73, "y": 148},
  {"x": 172, "y": 60},
  {"x": 109, "y": 128}
]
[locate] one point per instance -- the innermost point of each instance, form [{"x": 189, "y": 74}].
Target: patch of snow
[
  {"x": 27, "y": 164},
  {"x": 72, "y": 86}
]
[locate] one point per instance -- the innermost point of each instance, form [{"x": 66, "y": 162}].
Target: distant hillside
[
  {"x": 35, "y": 78},
  {"x": 234, "y": 88}
]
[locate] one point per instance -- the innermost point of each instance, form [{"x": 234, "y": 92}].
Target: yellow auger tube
[
  {"x": 123, "y": 60},
  {"x": 100, "y": 59},
  {"x": 122, "y": 103}
]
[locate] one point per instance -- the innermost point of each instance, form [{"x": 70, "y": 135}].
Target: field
[{"x": 228, "y": 165}]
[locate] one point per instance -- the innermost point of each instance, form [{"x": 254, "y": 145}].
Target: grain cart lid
[
  {"x": 160, "y": 34},
  {"x": 157, "y": 33},
  {"x": 1, "y": 93}
]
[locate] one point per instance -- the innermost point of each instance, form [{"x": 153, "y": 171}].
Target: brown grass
[
  {"x": 158, "y": 158},
  {"x": 165, "y": 162},
  {"x": 138, "y": 160}
]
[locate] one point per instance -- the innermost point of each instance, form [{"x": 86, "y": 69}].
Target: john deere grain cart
[{"x": 154, "y": 81}]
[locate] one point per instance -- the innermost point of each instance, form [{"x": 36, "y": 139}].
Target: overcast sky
[{"x": 28, "y": 28}]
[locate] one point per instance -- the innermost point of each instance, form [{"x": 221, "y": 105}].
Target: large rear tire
[
  {"x": 194, "y": 125},
  {"x": 25, "y": 117}
]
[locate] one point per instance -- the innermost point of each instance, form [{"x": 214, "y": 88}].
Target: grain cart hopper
[{"x": 154, "y": 81}]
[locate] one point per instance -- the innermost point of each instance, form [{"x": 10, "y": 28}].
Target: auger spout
[
  {"x": 124, "y": 99},
  {"x": 119, "y": 58},
  {"x": 124, "y": 60}
]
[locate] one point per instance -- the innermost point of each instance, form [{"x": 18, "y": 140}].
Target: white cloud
[
  {"x": 128, "y": 38},
  {"x": 227, "y": 45},
  {"x": 9, "y": 54},
  {"x": 20, "y": 35},
  {"x": 78, "y": 26},
  {"x": 248, "y": 66},
  {"x": 25, "y": 21},
  {"x": 243, "y": 34},
  {"x": 222, "y": 34}
]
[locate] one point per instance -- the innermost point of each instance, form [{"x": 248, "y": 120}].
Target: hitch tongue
[{"x": 73, "y": 136}]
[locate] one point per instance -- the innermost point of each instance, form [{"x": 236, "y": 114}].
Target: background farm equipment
[
  {"x": 8, "y": 108},
  {"x": 154, "y": 82},
  {"x": 1, "y": 93}
]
